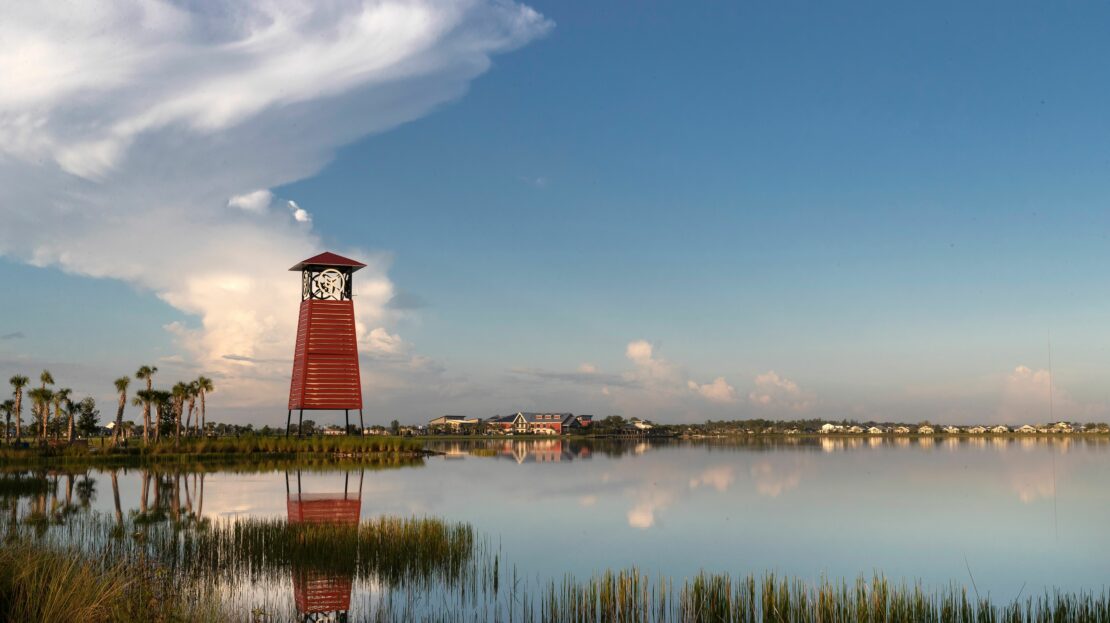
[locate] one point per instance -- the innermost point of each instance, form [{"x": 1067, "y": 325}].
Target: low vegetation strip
[
  {"x": 630, "y": 597},
  {"x": 246, "y": 446}
]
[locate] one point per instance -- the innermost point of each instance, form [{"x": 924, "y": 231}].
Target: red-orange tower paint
[{"x": 325, "y": 358}]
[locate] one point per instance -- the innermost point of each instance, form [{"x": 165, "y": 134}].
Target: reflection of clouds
[
  {"x": 770, "y": 482},
  {"x": 642, "y": 515},
  {"x": 720, "y": 478},
  {"x": 587, "y": 500}
]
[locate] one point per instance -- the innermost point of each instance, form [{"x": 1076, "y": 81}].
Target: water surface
[{"x": 1007, "y": 515}]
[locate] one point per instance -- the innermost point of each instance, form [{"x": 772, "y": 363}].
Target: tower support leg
[
  {"x": 361, "y": 426},
  {"x": 288, "y": 420},
  {"x": 300, "y": 424},
  {"x": 346, "y": 421}
]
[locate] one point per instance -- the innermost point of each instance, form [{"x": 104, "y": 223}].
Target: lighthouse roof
[{"x": 327, "y": 258}]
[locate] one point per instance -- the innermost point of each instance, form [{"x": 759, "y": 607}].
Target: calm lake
[{"x": 1008, "y": 515}]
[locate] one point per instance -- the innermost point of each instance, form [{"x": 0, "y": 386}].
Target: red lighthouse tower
[{"x": 325, "y": 361}]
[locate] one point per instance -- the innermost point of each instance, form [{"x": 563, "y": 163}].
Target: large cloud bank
[{"x": 139, "y": 140}]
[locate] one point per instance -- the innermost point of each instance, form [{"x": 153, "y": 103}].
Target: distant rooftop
[{"x": 327, "y": 258}]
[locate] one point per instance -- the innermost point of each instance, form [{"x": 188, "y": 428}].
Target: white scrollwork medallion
[{"x": 329, "y": 285}]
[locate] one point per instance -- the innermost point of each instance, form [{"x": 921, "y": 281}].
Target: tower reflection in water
[{"x": 323, "y": 595}]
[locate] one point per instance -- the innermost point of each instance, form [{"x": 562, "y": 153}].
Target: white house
[
  {"x": 855, "y": 429},
  {"x": 1026, "y": 429},
  {"x": 831, "y": 428},
  {"x": 642, "y": 424},
  {"x": 951, "y": 430},
  {"x": 901, "y": 430},
  {"x": 977, "y": 430},
  {"x": 875, "y": 430},
  {"x": 925, "y": 430}
]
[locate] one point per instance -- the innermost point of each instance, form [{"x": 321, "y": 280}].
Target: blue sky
[{"x": 890, "y": 206}]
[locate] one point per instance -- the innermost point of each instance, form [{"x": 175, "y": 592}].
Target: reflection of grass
[
  {"x": 42, "y": 584},
  {"x": 20, "y": 485},
  {"x": 392, "y": 550}
]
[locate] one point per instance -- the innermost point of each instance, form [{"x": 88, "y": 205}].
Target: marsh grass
[
  {"x": 628, "y": 596},
  {"x": 222, "y": 450},
  {"x": 43, "y": 584}
]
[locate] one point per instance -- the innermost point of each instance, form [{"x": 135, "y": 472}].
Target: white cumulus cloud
[
  {"x": 256, "y": 201},
  {"x": 717, "y": 391},
  {"x": 128, "y": 129},
  {"x": 774, "y": 391}
]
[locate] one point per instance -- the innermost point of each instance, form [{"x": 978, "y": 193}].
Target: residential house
[
  {"x": 855, "y": 429},
  {"x": 951, "y": 430},
  {"x": 1026, "y": 429},
  {"x": 642, "y": 424},
  {"x": 830, "y": 428},
  {"x": 454, "y": 423},
  {"x": 977, "y": 430},
  {"x": 901, "y": 430},
  {"x": 540, "y": 423},
  {"x": 1000, "y": 429},
  {"x": 875, "y": 430},
  {"x": 925, "y": 430},
  {"x": 500, "y": 423},
  {"x": 1061, "y": 427}
]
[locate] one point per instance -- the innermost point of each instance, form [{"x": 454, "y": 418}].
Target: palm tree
[
  {"x": 161, "y": 400},
  {"x": 47, "y": 379},
  {"x": 41, "y": 398},
  {"x": 7, "y": 407},
  {"x": 204, "y": 385},
  {"x": 60, "y": 398},
  {"x": 179, "y": 392},
  {"x": 146, "y": 373},
  {"x": 18, "y": 383},
  {"x": 192, "y": 396},
  {"x": 121, "y": 387}
]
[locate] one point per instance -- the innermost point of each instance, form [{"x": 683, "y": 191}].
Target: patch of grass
[
  {"x": 42, "y": 584},
  {"x": 254, "y": 447}
]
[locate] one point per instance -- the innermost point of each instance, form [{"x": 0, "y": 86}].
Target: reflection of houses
[
  {"x": 543, "y": 451},
  {"x": 454, "y": 423},
  {"x": 323, "y": 595}
]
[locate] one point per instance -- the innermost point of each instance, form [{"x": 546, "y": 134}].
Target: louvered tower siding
[
  {"x": 325, "y": 358},
  {"x": 325, "y": 363}
]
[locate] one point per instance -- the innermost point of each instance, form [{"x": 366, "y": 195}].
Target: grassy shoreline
[{"x": 221, "y": 450}]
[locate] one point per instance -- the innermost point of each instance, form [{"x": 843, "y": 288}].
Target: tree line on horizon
[{"x": 174, "y": 407}]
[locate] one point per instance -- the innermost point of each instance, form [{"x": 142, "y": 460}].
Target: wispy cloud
[
  {"x": 578, "y": 378},
  {"x": 16, "y": 335}
]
